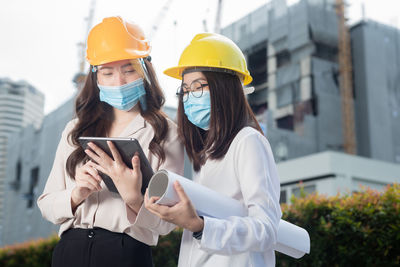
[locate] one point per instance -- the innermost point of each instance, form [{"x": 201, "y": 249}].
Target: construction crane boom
[
  {"x": 80, "y": 76},
  {"x": 160, "y": 17},
  {"x": 346, "y": 81},
  {"x": 217, "y": 28},
  {"x": 89, "y": 22}
]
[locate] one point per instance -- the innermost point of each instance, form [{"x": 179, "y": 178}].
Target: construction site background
[{"x": 330, "y": 132}]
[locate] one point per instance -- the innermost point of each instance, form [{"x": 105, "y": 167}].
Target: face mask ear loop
[
  {"x": 143, "y": 102},
  {"x": 146, "y": 74}
]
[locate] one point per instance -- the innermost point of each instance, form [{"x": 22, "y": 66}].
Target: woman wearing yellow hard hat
[
  {"x": 121, "y": 98},
  {"x": 229, "y": 154}
]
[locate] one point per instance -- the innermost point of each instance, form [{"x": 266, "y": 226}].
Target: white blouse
[
  {"x": 247, "y": 173},
  {"x": 106, "y": 209}
]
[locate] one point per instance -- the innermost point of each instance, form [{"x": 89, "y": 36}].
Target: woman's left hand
[
  {"x": 128, "y": 181},
  {"x": 182, "y": 213}
]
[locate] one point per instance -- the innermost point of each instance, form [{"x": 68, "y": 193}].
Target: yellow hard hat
[
  {"x": 212, "y": 50},
  {"x": 116, "y": 39}
]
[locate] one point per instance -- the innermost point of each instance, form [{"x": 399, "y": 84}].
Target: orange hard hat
[{"x": 116, "y": 39}]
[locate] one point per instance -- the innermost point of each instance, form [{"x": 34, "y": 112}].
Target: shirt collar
[{"x": 134, "y": 126}]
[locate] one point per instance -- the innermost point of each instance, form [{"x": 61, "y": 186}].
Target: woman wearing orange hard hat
[
  {"x": 230, "y": 155},
  {"x": 121, "y": 98}
]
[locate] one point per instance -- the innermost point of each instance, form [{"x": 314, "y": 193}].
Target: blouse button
[{"x": 91, "y": 234}]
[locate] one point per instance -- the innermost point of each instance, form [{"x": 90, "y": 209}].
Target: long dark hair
[
  {"x": 95, "y": 117},
  {"x": 230, "y": 112}
]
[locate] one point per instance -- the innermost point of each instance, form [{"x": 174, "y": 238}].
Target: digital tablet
[{"x": 127, "y": 148}]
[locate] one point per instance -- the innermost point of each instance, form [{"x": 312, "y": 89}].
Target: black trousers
[{"x": 99, "y": 247}]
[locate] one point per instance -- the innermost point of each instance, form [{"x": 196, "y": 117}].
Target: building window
[
  {"x": 257, "y": 63},
  {"x": 282, "y": 58},
  {"x": 282, "y": 198},
  {"x": 243, "y": 30},
  {"x": 259, "y": 109},
  {"x": 15, "y": 185},
  {"x": 326, "y": 52},
  {"x": 306, "y": 190},
  {"x": 30, "y": 196},
  {"x": 14, "y": 92},
  {"x": 286, "y": 122}
]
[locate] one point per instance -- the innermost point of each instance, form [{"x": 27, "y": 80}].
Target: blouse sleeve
[
  {"x": 255, "y": 169},
  {"x": 55, "y": 201},
  {"x": 174, "y": 161}
]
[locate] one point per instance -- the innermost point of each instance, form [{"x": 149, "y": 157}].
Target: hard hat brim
[
  {"x": 122, "y": 55},
  {"x": 176, "y": 72}
]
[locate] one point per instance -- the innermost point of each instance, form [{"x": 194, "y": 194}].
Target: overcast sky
[{"x": 38, "y": 39}]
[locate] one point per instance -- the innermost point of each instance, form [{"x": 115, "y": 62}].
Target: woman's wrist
[
  {"x": 198, "y": 234},
  {"x": 198, "y": 225},
  {"x": 136, "y": 203},
  {"x": 75, "y": 200}
]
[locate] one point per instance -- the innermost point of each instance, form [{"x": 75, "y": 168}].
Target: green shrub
[
  {"x": 362, "y": 229},
  {"x": 166, "y": 252},
  {"x": 32, "y": 253}
]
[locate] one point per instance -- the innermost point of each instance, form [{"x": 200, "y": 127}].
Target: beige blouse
[{"x": 106, "y": 209}]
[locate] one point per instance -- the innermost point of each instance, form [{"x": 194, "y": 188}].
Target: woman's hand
[
  {"x": 87, "y": 181},
  {"x": 182, "y": 213},
  {"x": 128, "y": 181}
]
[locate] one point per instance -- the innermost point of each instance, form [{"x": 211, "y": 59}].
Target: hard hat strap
[{"x": 247, "y": 90}]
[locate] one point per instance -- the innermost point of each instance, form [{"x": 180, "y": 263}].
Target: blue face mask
[
  {"x": 124, "y": 97},
  {"x": 197, "y": 110}
]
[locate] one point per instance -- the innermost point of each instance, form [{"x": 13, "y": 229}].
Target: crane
[
  {"x": 217, "y": 23},
  {"x": 205, "y": 27},
  {"x": 80, "y": 77},
  {"x": 160, "y": 17},
  {"x": 217, "y": 26},
  {"x": 346, "y": 81}
]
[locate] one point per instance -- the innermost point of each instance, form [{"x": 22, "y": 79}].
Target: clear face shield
[
  {"x": 131, "y": 69},
  {"x": 140, "y": 67},
  {"x": 121, "y": 83}
]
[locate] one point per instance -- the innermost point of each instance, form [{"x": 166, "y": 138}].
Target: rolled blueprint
[
  {"x": 161, "y": 185},
  {"x": 292, "y": 240}
]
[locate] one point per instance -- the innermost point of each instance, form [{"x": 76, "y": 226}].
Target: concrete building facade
[
  {"x": 377, "y": 89},
  {"x": 330, "y": 173},
  {"x": 20, "y": 105}
]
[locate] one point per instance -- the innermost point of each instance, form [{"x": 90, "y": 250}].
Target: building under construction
[
  {"x": 293, "y": 56},
  {"x": 292, "y": 53}
]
